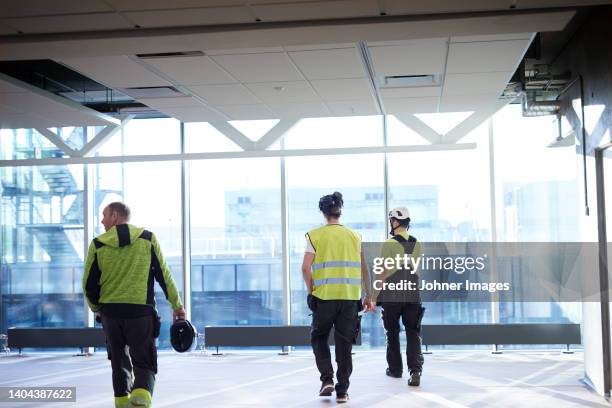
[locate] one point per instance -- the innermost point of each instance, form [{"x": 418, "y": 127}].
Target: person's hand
[
  {"x": 178, "y": 314},
  {"x": 369, "y": 306}
]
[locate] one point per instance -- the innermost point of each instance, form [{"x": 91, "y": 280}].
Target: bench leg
[
  {"x": 217, "y": 353},
  {"x": 427, "y": 350},
  {"x": 496, "y": 350},
  {"x": 284, "y": 351},
  {"x": 567, "y": 350},
  {"x": 83, "y": 353}
]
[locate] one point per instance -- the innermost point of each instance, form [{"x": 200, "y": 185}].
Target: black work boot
[
  {"x": 415, "y": 379},
  {"x": 326, "y": 389},
  {"x": 393, "y": 373}
]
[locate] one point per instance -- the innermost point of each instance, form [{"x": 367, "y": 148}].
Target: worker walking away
[
  {"x": 121, "y": 267},
  {"x": 334, "y": 271},
  {"x": 401, "y": 305}
]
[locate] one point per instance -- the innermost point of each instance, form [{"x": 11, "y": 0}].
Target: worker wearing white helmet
[{"x": 401, "y": 305}]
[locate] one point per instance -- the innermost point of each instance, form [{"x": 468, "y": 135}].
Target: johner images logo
[{"x": 410, "y": 264}]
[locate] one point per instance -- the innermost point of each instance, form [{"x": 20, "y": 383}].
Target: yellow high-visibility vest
[{"x": 336, "y": 270}]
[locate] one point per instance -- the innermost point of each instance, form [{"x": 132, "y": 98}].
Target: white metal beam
[
  {"x": 233, "y": 134},
  {"x": 236, "y": 155},
  {"x": 473, "y": 121},
  {"x": 102, "y": 137},
  {"x": 57, "y": 141},
  {"x": 275, "y": 133},
  {"x": 420, "y": 127}
]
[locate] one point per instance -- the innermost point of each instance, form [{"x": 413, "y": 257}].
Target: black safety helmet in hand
[{"x": 182, "y": 335}]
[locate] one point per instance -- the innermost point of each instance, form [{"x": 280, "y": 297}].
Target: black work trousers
[
  {"x": 410, "y": 315},
  {"x": 132, "y": 352},
  {"x": 341, "y": 315}
]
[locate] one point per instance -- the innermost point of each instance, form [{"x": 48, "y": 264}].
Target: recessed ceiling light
[
  {"x": 174, "y": 54},
  {"x": 408, "y": 81}
]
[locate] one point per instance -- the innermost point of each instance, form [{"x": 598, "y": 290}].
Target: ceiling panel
[
  {"x": 394, "y": 7},
  {"x": 124, "y": 73},
  {"x": 29, "y": 102},
  {"x": 266, "y": 67},
  {"x": 559, "y": 3},
  {"x": 492, "y": 37},
  {"x": 343, "y": 89},
  {"x": 25, "y": 121},
  {"x": 69, "y": 23},
  {"x": 279, "y": 92},
  {"x": 191, "y": 70},
  {"x": 464, "y": 103},
  {"x": 282, "y": 1},
  {"x": 191, "y": 17},
  {"x": 315, "y": 47},
  {"x": 75, "y": 118},
  {"x": 300, "y": 110},
  {"x": 191, "y": 114},
  {"x": 477, "y": 83},
  {"x": 411, "y": 105},
  {"x": 124, "y": 5},
  {"x": 329, "y": 64},
  {"x": 6, "y": 29},
  {"x": 45, "y": 7},
  {"x": 410, "y": 92},
  {"x": 485, "y": 56},
  {"x": 6, "y": 87},
  {"x": 179, "y": 102},
  {"x": 316, "y": 10},
  {"x": 232, "y": 94},
  {"x": 353, "y": 108},
  {"x": 413, "y": 58},
  {"x": 247, "y": 112},
  {"x": 256, "y": 50},
  {"x": 6, "y": 109}
]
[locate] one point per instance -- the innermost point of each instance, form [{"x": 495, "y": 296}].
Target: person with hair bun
[{"x": 334, "y": 271}]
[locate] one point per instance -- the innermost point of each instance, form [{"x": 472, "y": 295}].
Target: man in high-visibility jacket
[
  {"x": 334, "y": 271},
  {"x": 120, "y": 270},
  {"x": 401, "y": 306}
]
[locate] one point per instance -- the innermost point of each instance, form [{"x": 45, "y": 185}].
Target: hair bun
[
  {"x": 331, "y": 204},
  {"x": 337, "y": 199}
]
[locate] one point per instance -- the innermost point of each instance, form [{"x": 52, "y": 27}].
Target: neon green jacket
[{"x": 121, "y": 267}]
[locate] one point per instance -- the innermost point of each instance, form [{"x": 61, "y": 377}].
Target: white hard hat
[{"x": 400, "y": 213}]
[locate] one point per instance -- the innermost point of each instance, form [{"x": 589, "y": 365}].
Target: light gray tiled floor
[{"x": 264, "y": 379}]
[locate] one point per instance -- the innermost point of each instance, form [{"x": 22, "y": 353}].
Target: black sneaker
[
  {"x": 393, "y": 374},
  {"x": 342, "y": 398},
  {"x": 326, "y": 390},
  {"x": 415, "y": 379}
]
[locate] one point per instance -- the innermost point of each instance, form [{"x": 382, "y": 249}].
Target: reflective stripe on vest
[
  {"x": 336, "y": 270},
  {"x": 344, "y": 281}
]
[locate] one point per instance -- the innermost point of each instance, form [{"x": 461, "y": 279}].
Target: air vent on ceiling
[
  {"x": 153, "y": 92},
  {"x": 409, "y": 81},
  {"x": 171, "y": 54}
]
